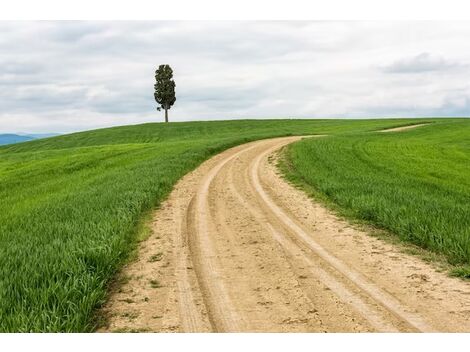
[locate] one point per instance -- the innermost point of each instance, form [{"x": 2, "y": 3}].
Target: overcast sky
[{"x": 69, "y": 76}]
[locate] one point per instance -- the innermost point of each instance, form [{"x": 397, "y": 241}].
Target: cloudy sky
[{"x": 70, "y": 76}]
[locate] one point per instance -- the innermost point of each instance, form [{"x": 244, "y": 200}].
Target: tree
[{"x": 164, "y": 88}]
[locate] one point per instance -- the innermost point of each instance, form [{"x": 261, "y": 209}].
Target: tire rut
[{"x": 245, "y": 251}]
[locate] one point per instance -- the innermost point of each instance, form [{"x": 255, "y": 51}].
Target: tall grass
[
  {"x": 415, "y": 183},
  {"x": 70, "y": 206}
]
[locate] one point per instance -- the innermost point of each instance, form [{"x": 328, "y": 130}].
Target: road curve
[{"x": 245, "y": 251}]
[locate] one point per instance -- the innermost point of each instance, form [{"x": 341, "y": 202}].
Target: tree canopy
[{"x": 164, "y": 88}]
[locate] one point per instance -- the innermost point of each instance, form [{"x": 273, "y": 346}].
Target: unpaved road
[
  {"x": 236, "y": 248},
  {"x": 403, "y": 128}
]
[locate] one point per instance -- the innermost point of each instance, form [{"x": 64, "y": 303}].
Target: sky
[{"x": 69, "y": 76}]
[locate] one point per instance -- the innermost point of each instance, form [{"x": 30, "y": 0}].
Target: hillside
[
  {"x": 71, "y": 207},
  {"x": 415, "y": 184}
]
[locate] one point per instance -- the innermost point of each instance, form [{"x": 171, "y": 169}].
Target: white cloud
[
  {"x": 66, "y": 76},
  {"x": 423, "y": 62}
]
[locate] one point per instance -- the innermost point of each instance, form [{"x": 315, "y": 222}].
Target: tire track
[
  {"x": 191, "y": 320},
  {"x": 244, "y": 251},
  {"x": 385, "y": 299},
  {"x": 346, "y": 295},
  {"x": 222, "y": 313}
]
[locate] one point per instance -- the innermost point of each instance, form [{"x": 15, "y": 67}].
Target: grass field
[
  {"x": 71, "y": 207},
  {"x": 415, "y": 183}
]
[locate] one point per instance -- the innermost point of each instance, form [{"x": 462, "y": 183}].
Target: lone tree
[{"x": 164, "y": 88}]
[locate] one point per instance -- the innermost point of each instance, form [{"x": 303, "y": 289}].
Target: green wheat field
[{"x": 73, "y": 207}]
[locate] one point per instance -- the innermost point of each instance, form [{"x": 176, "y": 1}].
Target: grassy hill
[
  {"x": 415, "y": 183},
  {"x": 71, "y": 206}
]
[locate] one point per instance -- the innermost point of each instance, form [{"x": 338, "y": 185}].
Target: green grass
[
  {"x": 72, "y": 206},
  {"x": 414, "y": 183}
]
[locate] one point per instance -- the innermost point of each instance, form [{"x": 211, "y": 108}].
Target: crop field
[
  {"x": 414, "y": 183},
  {"x": 71, "y": 205}
]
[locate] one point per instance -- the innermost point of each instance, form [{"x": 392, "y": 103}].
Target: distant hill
[
  {"x": 39, "y": 135},
  {"x": 9, "y": 138}
]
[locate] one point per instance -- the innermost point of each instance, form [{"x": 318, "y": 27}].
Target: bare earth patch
[
  {"x": 403, "y": 128},
  {"x": 236, "y": 248}
]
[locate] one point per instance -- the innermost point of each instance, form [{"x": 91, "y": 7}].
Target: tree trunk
[{"x": 166, "y": 114}]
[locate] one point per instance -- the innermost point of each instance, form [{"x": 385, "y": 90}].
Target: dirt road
[
  {"x": 403, "y": 128},
  {"x": 236, "y": 248}
]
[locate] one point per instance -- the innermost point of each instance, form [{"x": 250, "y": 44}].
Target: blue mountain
[{"x": 9, "y": 138}]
